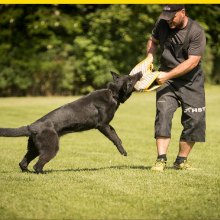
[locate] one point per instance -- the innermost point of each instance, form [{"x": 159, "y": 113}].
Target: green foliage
[
  {"x": 89, "y": 179},
  {"x": 70, "y": 49}
]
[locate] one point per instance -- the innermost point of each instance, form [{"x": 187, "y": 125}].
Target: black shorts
[{"x": 191, "y": 98}]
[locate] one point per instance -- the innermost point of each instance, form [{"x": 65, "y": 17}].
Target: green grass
[{"x": 89, "y": 179}]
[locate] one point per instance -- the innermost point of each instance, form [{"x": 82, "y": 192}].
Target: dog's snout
[{"x": 140, "y": 74}]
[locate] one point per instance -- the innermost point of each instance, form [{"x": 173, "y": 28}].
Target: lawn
[{"x": 89, "y": 179}]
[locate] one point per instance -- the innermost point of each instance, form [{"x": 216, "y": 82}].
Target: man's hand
[{"x": 162, "y": 78}]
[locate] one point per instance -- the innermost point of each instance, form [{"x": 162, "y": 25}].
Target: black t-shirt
[{"x": 196, "y": 42}]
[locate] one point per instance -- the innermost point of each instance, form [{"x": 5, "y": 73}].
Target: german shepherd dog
[{"x": 94, "y": 110}]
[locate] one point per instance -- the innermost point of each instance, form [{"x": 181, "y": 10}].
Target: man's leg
[
  {"x": 166, "y": 104},
  {"x": 181, "y": 160},
  {"x": 185, "y": 148},
  {"x": 193, "y": 119},
  {"x": 162, "y": 145}
]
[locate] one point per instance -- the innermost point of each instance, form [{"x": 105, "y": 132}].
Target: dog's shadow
[
  {"x": 123, "y": 167},
  {"x": 98, "y": 169}
]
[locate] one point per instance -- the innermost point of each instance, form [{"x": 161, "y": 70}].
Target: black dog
[{"x": 94, "y": 110}]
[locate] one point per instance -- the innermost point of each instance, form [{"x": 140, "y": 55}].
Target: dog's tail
[{"x": 15, "y": 132}]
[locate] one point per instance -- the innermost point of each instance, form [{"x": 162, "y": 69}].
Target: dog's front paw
[
  {"x": 124, "y": 153},
  {"x": 122, "y": 150}
]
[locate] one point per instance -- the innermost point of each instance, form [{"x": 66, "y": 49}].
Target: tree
[{"x": 70, "y": 49}]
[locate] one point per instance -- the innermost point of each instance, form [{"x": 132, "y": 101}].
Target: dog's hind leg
[
  {"x": 110, "y": 133},
  {"x": 48, "y": 144},
  {"x": 31, "y": 154}
]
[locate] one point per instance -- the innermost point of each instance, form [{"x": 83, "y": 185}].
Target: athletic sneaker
[
  {"x": 159, "y": 165},
  {"x": 183, "y": 166}
]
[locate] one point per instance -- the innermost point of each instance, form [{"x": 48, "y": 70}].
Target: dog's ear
[{"x": 114, "y": 75}]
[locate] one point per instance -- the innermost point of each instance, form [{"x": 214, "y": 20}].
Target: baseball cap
[{"x": 170, "y": 10}]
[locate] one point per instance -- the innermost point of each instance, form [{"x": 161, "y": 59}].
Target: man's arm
[
  {"x": 152, "y": 45},
  {"x": 180, "y": 70}
]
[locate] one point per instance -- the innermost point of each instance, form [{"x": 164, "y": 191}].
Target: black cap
[{"x": 169, "y": 11}]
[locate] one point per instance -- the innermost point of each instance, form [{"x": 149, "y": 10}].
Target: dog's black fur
[{"x": 94, "y": 110}]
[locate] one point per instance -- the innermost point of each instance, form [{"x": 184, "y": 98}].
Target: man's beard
[{"x": 180, "y": 25}]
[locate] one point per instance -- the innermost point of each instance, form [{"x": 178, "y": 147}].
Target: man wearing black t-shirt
[{"x": 182, "y": 42}]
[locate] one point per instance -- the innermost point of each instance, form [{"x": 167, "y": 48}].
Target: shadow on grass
[
  {"x": 94, "y": 169},
  {"x": 100, "y": 168}
]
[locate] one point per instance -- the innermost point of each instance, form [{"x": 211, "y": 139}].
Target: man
[{"x": 182, "y": 42}]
